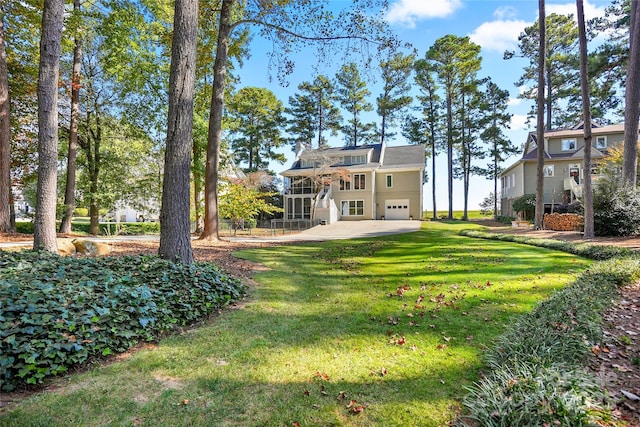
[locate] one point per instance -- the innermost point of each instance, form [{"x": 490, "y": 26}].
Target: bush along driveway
[{"x": 370, "y": 332}]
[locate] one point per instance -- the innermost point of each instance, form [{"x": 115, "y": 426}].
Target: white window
[
  {"x": 359, "y": 159},
  {"x": 310, "y": 163},
  {"x": 352, "y": 207},
  {"x": 345, "y": 183},
  {"x": 513, "y": 180},
  {"x": 568, "y": 145},
  {"x": 389, "y": 181},
  {"x": 359, "y": 181},
  {"x": 547, "y": 170},
  {"x": 601, "y": 142}
]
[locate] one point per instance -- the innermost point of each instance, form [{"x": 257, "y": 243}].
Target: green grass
[
  {"x": 472, "y": 214},
  {"x": 326, "y": 325}
]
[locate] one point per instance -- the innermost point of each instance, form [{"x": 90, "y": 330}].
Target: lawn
[{"x": 372, "y": 332}]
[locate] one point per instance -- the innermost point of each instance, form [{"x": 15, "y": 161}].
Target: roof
[
  {"x": 408, "y": 156},
  {"x": 404, "y": 156}
]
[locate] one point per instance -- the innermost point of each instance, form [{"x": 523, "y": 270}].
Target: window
[
  {"x": 352, "y": 207},
  {"x": 389, "y": 181},
  {"x": 359, "y": 181},
  {"x": 601, "y": 142},
  {"x": 359, "y": 159},
  {"x": 309, "y": 163},
  {"x": 547, "y": 171},
  {"x": 345, "y": 184},
  {"x": 568, "y": 144}
]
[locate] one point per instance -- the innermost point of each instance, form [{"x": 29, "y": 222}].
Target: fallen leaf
[
  {"x": 296, "y": 424},
  {"x": 321, "y": 375},
  {"x": 342, "y": 395},
  {"x": 306, "y": 393},
  {"x": 352, "y": 403},
  {"x": 357, "y": 409}
]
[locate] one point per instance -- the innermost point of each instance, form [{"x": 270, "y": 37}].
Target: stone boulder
[
  {"x": 66, "y": 247},
  {"x": 91, "y": 248}
]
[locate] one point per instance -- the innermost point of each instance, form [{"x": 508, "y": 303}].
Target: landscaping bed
[{"x": 57, "y": 312}]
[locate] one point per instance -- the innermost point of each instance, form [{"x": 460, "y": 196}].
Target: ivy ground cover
[{"x": 372, "y": 332}]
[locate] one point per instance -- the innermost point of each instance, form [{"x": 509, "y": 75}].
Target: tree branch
[{"x": 301, "y": 36}]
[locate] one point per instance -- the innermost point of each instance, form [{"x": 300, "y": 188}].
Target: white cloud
[
  {"x": 499, "y": 35},
  {"x": 505, "y": 12},
  {"x": 590, "y": 10},
  {"x": 519, "y": 122},
  {"x": 407, "y": 12},
  {"x": 514, "y": 102}
]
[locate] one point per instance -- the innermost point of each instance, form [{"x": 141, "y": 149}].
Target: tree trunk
[
  {"x": 632, "y": 102},
  {"x": 539, "y": 218},
  {"x": 93, "y": 161},
  {"x": 5, "y": 138},
  {"x": 495, "y": 183},
  {"x": 211, "y": 227},
  {"x": 175, "y": 224},
  {"x": 450, "y": 154},
  {"x": 586, "y": 111},
  {"x": 44, "y": 234},
  {"x": 197, "y": 188},
  {"x": 433, "y": 173},
  {"x": 70, "y": 188}
]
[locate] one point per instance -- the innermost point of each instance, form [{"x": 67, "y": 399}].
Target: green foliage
[
  {"x": 313, "y": 112},
  {"x": 538, "y": 375},
  {"x": 255, "y": 116},
  {"x": 56, "y": 312},
  {"x": 351, "y": 93},
  {"x": 239, "y": 203},
  {"x": 525, "y": 204},
  {"x": 595, "y": 252},
  {"x": 505, "y": 219},
  {"x": 526, "y": 395},
  {"x": 106, "y": 229},
  {"x": 616, "y": 211}
]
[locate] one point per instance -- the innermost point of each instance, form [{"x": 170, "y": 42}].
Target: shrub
[
  {"x": 525, "y": 204},
  {"x": 537, "y": 375},
  {"x": 56, "y": 312},
  {"x": 616, "y": 211},
  {"x": 505, "y": 219},
  {"x": 525, "y": 395}
]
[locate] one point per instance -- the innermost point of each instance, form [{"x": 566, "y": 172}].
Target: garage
[{"x": 396, "y": 209}]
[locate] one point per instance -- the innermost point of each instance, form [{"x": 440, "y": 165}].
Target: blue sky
[{"x": 492, "y": 24}]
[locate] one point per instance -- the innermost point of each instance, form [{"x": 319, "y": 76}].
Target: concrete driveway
[
  {"x": 344, "y": 230},
  {"x": 337, "y": 231}
]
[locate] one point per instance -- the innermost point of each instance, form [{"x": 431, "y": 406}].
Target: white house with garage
[{"x": 355, "y": 183}]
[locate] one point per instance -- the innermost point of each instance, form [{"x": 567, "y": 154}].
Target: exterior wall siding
[{"x": 406, "y": 185}]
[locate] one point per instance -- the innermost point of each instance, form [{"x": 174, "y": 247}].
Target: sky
[{"x": 494, "y": 25}]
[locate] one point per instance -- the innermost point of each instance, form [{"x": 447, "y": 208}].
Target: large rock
[
  {"x": 66, "y": 247},
  {"x": 91, "y": 248}
]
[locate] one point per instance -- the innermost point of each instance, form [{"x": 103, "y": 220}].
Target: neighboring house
[
  {"x": 355, "y": 183},
  {"x": 563, "y": 165}
]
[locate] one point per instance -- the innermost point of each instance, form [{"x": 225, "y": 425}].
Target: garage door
[{"x": 396, "y": 209}]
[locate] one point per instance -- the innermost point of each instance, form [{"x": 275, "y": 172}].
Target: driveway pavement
[
  {"x": 341, "y": 230},
  {"x": 337, "y": 231}
]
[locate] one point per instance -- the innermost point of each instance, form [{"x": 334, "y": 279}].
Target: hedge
[{"x": 538, "y": 372}]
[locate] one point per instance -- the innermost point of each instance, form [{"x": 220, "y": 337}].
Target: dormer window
[
  {"x": 568, "y": 145},
  {"x": 309, "y": 163},
  {"x": 601, "y": 142},
  {"x": 359, "y": 159}
]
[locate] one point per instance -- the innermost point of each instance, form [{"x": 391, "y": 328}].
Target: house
[
  {"x": 355, "y": 183},
  {"x": 563, "y": 165}
]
